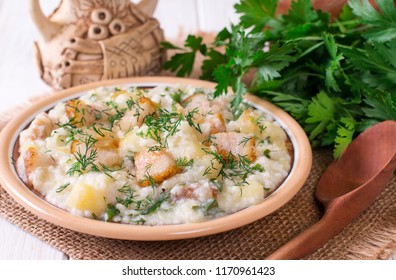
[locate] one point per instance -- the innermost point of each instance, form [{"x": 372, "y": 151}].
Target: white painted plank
[
  {"x": 214, "y": 15},
  {"x": 16, "y": 244},
  {"x": 177, "y": 17},
  {"x": 19, "y": 78}
]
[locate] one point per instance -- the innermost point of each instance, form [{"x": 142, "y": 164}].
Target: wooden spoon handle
[{"x": 308, "y": 241}]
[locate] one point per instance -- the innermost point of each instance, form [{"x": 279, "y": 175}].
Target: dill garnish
[
  {"x": 208, "y": 171},
  {"x": 261, "y": 126},
  {"x": 208, "y": 207},
  {"x": 218, "y": 185},
  {"x": 190, "y": 117},
  {"x": 145, "y": 205},
  {"x": 97, "y": 130},
  {"x": 156, "y": 204},
  {"x": 129, "y": 195},
  {"x": 110, "y": 212},
  {"x": 176, "y": 96},
  {"x": 62, "y": 187},
  {"x": 184, "y": 162},
  {"x": 233, "y": 167},
  {"x": 107, "y": 169},
  {"x": 164, "y": 122},
  {"x": 245, "y": 140},
  {"x": 141, "y": 221},
  {"x": 84, "y": 159}
]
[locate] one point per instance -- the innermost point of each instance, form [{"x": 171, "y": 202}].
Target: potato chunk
[
  {"x": 85, "y": 197},
  {"x": 154, "y": 166}
]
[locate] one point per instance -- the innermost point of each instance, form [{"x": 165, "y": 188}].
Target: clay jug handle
[
  {"x": 147, "y": 6},
  {"x": 47, "y": 28}
]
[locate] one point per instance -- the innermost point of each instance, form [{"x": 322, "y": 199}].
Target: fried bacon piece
[
  {"x": 33, "y": 159},
  {"x": 40, "y": 128},
  {"x": 154, "y": 167}
]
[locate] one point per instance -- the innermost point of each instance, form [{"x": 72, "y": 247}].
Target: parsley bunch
[{"x": 335, "y": 77}]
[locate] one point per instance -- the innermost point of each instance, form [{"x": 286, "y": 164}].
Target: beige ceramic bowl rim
[{"x": 38, "y": 206}]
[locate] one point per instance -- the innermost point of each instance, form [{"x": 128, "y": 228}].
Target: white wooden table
[{"x": 19, "y": 78}]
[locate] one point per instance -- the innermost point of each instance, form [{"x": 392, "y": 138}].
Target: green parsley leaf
[
  {"x": 298, "y": 107},
  {"x": 381, "y": 26},
  {"x": 215, "y": 58},
  {"x": 382, "y": 106},
  {"x": 271, "y": 62},
  {"x": 345, "y": 132},
  {"x": 321, "y": 112},
  {"x": 376, "y": 62},
  {"x": 224, "y": 77},
  {"x": 301, "y": 12},
  {"x": 183, "y": 63},
  {"x": 256, "y": 13},
  {"x": 334, "y": 64},
  {"x": 169, "y": 46}
]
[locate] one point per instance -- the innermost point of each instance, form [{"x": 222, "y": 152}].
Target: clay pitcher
[{"x": 85, "y": 41}]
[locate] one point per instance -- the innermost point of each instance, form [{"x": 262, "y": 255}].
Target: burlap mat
[{"x": 371, "y": 236}]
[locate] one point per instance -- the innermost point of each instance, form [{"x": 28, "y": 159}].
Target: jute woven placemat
[{"x": 371, "y": 236}]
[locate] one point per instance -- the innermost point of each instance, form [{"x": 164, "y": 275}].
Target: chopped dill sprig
[
  {"x": 245, "y": 140},
  {"x": 184, "y": 162},
  {"x": 84, "y": 159},
  {"x": 141, "y": 221},
  {"x": 234, "y": 167},
  {"x": 129, "y": 199},
  {"x": 129, "y": 196},
  {"x": 190, "y": 117},
  {"x": 163, "y": 122},
  {"x": 62, "y": 187},
  {"x": 259, "y": 123},
  {"x": 155, "y": 205},
  {"x": 218, "y": 185},
  {"x": 209, "y": 206},
  {"x": 97, "y": 130},
  {"x": 107, "y": 169},
  {"x": 71, "y": 129},
  {"x": 111, "y": 212},
  {"x": 176, "y": 96}
]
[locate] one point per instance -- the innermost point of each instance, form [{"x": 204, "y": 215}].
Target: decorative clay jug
[{"x": 90, "y": 40}]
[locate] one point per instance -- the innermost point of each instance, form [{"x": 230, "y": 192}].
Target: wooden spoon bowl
[{"x": 348, "y": 187}]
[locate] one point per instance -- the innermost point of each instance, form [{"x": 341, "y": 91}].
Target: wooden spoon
[{"x": 347, "y": 187}]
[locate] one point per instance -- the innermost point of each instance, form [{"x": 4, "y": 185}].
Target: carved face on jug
[{"x": 90, "y": 40}]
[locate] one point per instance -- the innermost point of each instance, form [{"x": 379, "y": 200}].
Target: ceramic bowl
[{"x": 302, "y": 159}]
